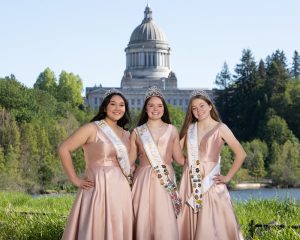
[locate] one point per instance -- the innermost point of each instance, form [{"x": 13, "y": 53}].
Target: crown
[
  {"x": 112, "y": 91},
  {"x": 153, "y": 92},
  {"x": 198, "y": 92}
]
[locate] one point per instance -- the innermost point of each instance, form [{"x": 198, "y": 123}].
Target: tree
[
  {"x": 285, "y": 169},
  {"x": 46, "y": 81},
  {"x": 243, "y": 102},
  {"x": 69, "y": 89},
  {"x": 223, "y": 81},
  {"x": 277, "y": 74},
  {"x": 257, "y": 152},
  {"x": 295, "y": 70},
  {"x": 9, "y": 131},
  {"x": 277, "y": 130},
  {"x": 176, "y": 116}
]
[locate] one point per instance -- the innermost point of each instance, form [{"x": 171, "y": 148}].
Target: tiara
[
  {"x": 153, "y": 92},
  {"x": 202, "y": 93},
  {"x": 112, "y": 91}
]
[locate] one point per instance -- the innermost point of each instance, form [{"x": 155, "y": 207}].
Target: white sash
[
  {"x": 194, "y": 165},
  {"x": 199, "y": 185},
  {"x": 159, "y": 166},
  {"x": 207, "y": 183},
  {"x": 122, "y": 153}
]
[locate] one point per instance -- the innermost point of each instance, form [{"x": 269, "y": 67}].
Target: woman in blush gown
[
  {"x": 155, "y": 197},
  {"x": 102, "y": 209},
  {"x": 207, "y": 210}
]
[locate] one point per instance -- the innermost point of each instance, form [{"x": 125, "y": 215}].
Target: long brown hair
[{"x": 190, "y": 118}]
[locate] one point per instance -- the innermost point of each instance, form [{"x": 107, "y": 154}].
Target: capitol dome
[{"x": 148, "y": 30}]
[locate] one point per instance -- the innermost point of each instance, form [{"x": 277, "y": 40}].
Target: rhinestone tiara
[
  {"x": 153, "y": 92},
  {"x": 198, "y": 92},
  {"x": 112, "y": 91}
]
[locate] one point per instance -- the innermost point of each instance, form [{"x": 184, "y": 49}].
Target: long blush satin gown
[
  {"x": 153, "y": 210},
  {"x": 105, "y": 211},
  {"x": 216, "y": 220}
]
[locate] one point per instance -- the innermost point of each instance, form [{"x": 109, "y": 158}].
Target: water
[{"x": 266, "y": 193}]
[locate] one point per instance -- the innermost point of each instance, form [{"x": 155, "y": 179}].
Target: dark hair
[
  {"x": 144, "y": 116},
  {"x": 190, "y": 118},
  {"x": 102, "y": 110}
]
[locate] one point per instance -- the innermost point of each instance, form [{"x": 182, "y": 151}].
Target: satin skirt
[
  {"x": 103, "y": 212},
  {"x": 215, "y": 221},
  {"x": 153, "y": 209}
]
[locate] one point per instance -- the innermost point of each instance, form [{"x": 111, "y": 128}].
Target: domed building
[{"x": 147, "y": 64}]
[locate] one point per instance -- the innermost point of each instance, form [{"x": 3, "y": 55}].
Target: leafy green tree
[
  {"x": 46, "y": 81},
  {"x": 29, "y": 152},
  {"x": 226, "y": 160},
  {"x": 277, "y": 130},
  {"x": 176, "y": 116},
  {"x": 70, "y": 88},
  {"x": 285, "y": 169},
  {"x": 257, "y": 152},
  {"x": 9, "y": 131},
  {"x": 2, "y": 161},
  {"x": 12, "y": 168}
]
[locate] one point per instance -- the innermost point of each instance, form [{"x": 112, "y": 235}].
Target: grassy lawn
[{"x": 25, "y": 217}]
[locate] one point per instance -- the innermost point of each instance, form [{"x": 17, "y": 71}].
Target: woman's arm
[
  {"x": 238, "y": 151},
  {"x": 84, "y": 134},
  {"x": 177, "y": 152},
  {"x": 133, "y": 150}
]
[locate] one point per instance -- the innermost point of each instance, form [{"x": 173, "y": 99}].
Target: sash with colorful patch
[
  {"x": 122, "y": 153},
  {"x": 194, "y": 165},
  {"x": 159, "y": 166},
  {"x": 199, "y": 185}
]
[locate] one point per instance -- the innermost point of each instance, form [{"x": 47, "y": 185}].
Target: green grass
[
  {"x": 24, "y": 217},
  {"x": 266, "y": 211}
]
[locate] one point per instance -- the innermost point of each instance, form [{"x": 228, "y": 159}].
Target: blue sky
[{"x": 88, "y": 37}]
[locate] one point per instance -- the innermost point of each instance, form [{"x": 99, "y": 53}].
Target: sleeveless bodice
[
  {"x": 164, "y": 145},
  {"x": 102, "y": 152},
  {"x": 211, "y": 145}
]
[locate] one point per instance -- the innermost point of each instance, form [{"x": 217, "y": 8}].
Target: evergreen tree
[
  {"x": 295, "y": 70},
  {"x": 243, "y": 103},
  {"x": 277, "y": 74},
  {"x": 223, "y": 81}
]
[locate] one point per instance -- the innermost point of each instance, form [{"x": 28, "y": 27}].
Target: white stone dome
[{"x": 147, "y": 30}]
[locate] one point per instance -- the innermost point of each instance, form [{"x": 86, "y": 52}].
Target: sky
[{"x": 88, "y": 37}]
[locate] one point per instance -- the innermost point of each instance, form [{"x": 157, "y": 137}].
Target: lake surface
[{"x": 266, "y": 193}]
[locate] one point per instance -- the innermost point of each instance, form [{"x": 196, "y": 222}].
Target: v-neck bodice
[
  {"x": 211, "y": 145},
  {"x": 164, "y": 145}
]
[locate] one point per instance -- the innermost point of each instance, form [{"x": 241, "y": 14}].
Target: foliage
[
  {"x": 285, "y": 169},
  {"x": 257, "y": 152}
]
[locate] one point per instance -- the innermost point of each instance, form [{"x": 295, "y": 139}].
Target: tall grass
[
  {"x": 272, "y": 212},
  {"x": 24, "y": 217}
]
